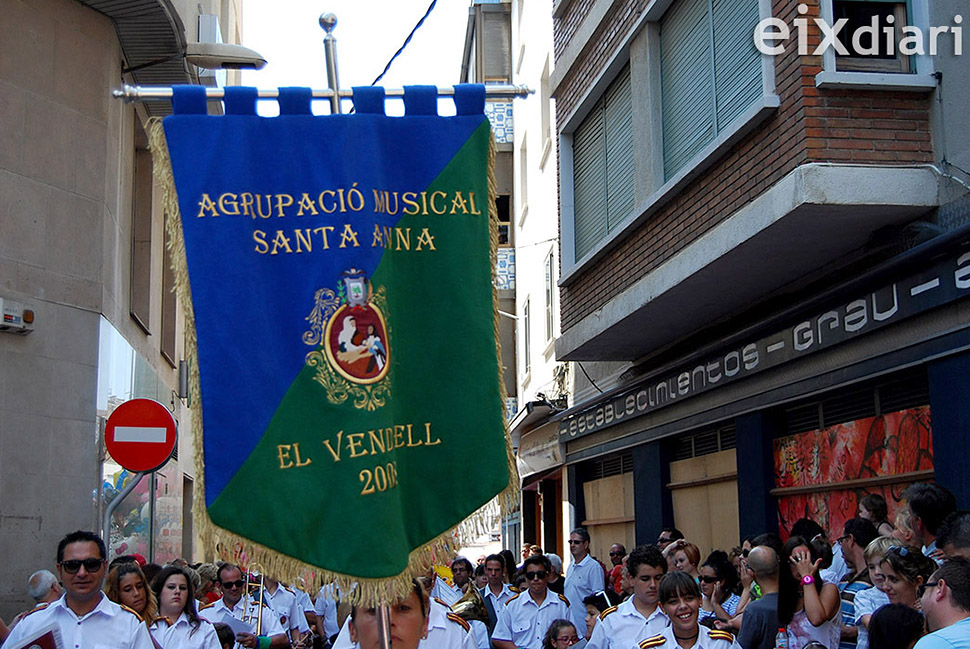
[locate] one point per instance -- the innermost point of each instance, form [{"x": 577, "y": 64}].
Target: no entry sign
[{"x": 140, "y": 434}]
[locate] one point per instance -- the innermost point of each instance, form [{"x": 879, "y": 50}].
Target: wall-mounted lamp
[
  {"x": 183, "y": 379},
  {"x": 212, "y": 56}
]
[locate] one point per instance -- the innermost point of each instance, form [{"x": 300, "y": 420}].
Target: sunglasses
[
  {"x": 538, "y": 574},
  {"x": 574, "y": 542},
  {"x": 921, "y": 589},
  {"x": 900, "y": 550},
  {"x": 616, "y": 554},
  {"x": 708, "y": 580},
  {"x": 843, "y": 538},
  {"x": 663, "y": 540},
  {"x": 239, "y": 583},
  {"x": 71, "y": 566}
]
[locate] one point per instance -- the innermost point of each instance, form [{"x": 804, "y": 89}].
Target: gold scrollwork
[
  {"x": 338, "y": 389},
  {"x": 325, "y": 302}
]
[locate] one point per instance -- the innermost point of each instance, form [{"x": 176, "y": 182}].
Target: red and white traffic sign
[{"x": 140, "y": 434}]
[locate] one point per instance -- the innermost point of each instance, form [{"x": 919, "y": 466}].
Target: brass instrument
[
  {"x": 471, "y": 606},
  {"x": 254, "y": 583}
]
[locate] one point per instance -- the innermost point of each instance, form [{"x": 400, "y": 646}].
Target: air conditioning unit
[{"x": 16, "y": 318}]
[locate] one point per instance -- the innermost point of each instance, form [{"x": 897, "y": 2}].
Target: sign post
[{"x": 140, "y": 436}]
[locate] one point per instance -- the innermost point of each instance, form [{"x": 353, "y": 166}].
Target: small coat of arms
[{"x": 351, "y": 333}]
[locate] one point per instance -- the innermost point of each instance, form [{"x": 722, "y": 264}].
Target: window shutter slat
[
  {"x": 619, "y": 150},
  {"x": 686, "y": 82},
  {"x": 737, "y": 64},
  {"x": 589, "y": 182}
]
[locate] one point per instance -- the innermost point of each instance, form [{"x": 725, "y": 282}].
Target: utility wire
[
  {"x": 406, "y": 41},
  {"x": 589, "y": 378}
]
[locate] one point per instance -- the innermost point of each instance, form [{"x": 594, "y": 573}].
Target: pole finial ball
[{"x": 328, "y": 21}]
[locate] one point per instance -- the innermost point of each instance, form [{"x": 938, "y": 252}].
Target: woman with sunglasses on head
[
  {"x": 562, "y": 635},
  {"x": 808, "y": 606},
  {"x": 126, "y": 585},
  {"x": 680, "y": 599},
  {"x": 178, "y": 625},
  {"x": 904, "y": 570},
  {"x": 718, "y": 580}
]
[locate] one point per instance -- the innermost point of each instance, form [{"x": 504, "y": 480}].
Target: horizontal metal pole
[{"x": 155, "y": 93}]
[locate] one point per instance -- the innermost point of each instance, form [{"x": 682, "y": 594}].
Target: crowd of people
[{"x": 875, "y": 585}]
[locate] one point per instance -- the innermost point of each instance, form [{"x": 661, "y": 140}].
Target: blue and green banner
[{"x": 337, "y": 272}]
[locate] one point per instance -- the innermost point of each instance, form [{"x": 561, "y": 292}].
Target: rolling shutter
[
  {"x": 737, "y": 64},
  {"x": 589, "y": 182},
  {"x": 603, "y": 182},
  {"x": 687, "y": 84},
  {"x": 619, "y": 150}
]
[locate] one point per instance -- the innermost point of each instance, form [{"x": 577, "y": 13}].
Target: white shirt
[
  {"x": 525, "y": 623},
  {"x": 498, "y": 600},
  {"x": 706, "y": 639},
  {"x": 623, "y": 626},
  {"x": 270, "y": 622},
  {"x": 108, "y": 626},
  {"x": 443, "y": 633},
  {"x": 866, "y": 602},
  {"x": 326, "y": 608},
  {"x": 582, "y": 580},
  {"x": 181, "y": 635},
  {"x": 287, "y": 608}
]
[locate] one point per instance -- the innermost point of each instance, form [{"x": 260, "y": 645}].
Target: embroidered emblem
[{"x": 352, "y": 339}]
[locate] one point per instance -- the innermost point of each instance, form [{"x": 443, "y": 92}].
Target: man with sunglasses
[
  {"x": 945, "y": 600},
  {"x": 617, "y": 552},
  {"x": 639, "y": 617},
  {"x": 84, "y": 615},
  {"x": 584, "y": 577},
  {"x": 237, "y": 603},
  {"x": 525, "y": 618}
]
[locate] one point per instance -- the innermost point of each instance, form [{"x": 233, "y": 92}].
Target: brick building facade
[{"x": 766, "y": 190}]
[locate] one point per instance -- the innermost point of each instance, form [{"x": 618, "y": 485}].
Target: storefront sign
[{"x": 946, "y": 281}]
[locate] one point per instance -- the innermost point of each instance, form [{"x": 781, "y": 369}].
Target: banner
[{"x": 338, "y": 272}]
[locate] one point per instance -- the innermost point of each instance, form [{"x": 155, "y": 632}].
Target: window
[
  {"x": 545, "y": 100},
  {"x": 549, "y": 296},
  {"x": 710, "y": 73},
  {"x": 524, "y": 176},
  {"x": 168, "y": 328},
  {"x": 526, "y": 342},
  {"x": 140, "y": 277},
  {"x": 901, "y": 60},
  {"x": 871, "y": 52},
  {"x": 504, "y": 220},
  {"x": 603, "y": 166}
]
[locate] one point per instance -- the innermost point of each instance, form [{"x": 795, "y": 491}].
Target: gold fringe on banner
[{"x": 250, "y": 555}]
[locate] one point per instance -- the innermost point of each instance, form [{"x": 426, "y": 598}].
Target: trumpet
[{"x": 254, "y": 583}]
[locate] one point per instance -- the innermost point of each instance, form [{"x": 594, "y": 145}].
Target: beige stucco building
[{"x": 82, "y": 247}]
